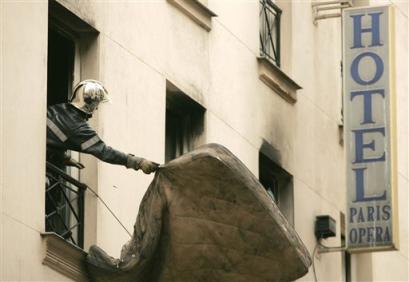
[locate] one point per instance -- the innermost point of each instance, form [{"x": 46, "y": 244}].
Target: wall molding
[
  {"x": 277, "y": 80},
  {"x": 64, "y": 257},
  {"x": 195, "y": 10}
]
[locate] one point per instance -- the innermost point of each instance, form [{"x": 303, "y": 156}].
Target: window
[
  {"x": 60, "y": 72},
  {"x": 69, "y": 38},
  {"x": 64, "y": 193},
  {"x": 270, "y": 15},
  {"x": 184, "y": 123},
  {"x": 279, "y": 185}
]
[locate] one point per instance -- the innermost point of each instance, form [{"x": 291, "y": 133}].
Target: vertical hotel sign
[{"x": 370, "y": 128}]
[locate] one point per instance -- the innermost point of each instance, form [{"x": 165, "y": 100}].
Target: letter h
[{"x": 358, "y": 30}]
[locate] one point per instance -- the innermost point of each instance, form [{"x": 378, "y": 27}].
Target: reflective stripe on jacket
[{"x": 67, "y": 129}]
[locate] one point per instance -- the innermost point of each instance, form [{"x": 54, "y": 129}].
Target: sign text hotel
[{"x": 369, "y": 128}]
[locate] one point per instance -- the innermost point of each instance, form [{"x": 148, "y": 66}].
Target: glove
[
  {"x": 141, "y": 163},
  {"x": 148, "y": 166},
  {"x": 68, "y": 161}
]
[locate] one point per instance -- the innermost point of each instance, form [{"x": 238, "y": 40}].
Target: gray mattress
[{"x": 205, "y": 217}]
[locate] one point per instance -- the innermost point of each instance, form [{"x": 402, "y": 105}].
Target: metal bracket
[{"x": 322, "y": 10}]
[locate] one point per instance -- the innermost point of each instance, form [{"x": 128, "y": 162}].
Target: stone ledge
[
  {"x": 195, "y": 10},
  {"x": 64, "y": 257},
  {"x": 277, "y": 80}
]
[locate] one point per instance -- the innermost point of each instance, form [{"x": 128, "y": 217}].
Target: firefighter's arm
[
  {"x": 140, "y": 163},
  {"x": 89, "y": 142}
]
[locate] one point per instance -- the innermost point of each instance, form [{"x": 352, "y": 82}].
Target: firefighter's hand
[
  {"x": 148, "y": 166},
  {"x": 141, "y": 163},
  {"x": 74, "y": 163}
]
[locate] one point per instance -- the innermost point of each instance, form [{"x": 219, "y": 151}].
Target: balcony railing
[
  {"x": 64, "y": 205},
  {"x": 270, "y": 15}
]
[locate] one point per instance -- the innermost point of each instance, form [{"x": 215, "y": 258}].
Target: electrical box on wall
[{"x": 325, "y": 226}]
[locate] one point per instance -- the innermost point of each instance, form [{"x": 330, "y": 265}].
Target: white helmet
[{"x": 88, "y": 94}]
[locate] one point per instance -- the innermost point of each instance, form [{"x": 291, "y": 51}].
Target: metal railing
[
  {"x": 270, "y": 15},
  {"x": 64, "y": 205}
]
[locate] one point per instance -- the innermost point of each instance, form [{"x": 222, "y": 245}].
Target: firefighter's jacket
[{"x": 67, "y": 129}]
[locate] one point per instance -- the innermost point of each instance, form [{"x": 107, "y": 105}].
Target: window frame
[
  {"x": 64, "y": 193},
  {"x": 67, "y": 22},
  {"x": 266, "y": 31},
  {"x": 282, "y": 181},
  {"x": 189, "y": 115}
]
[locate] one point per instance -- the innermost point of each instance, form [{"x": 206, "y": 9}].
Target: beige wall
[
  {"x": 141, "y": 45},
  {"x": 22, "y": 145}
]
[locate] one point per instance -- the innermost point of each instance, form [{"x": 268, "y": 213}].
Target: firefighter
[{"x": 67, "y": 129}]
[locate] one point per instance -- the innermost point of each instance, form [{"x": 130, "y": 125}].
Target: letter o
[
  {"x": 355, "y": 64},
  {"x": 353, "y": 235}
]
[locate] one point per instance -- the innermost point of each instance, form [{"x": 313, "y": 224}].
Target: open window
[
  {"x": 60, "y": 72},
  {"x": 69, "y": 40},
  {"x": 184, "y": 123},
  {"x": 64, "y": 199},
  {"x": 278, "y": 184}
]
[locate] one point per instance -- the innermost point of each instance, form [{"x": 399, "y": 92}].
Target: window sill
[
  {"x": 64, "y": 257},
  {"x": 195, "y": 10},
  {"x": 277, "y": 80}
]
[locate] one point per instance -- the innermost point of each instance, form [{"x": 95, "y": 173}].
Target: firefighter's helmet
[{"x": 88, "y": 94}]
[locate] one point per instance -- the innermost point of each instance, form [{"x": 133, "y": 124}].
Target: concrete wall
[{"x": 141, "y": 45}]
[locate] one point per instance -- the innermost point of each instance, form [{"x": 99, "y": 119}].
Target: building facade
[{"x": 263, "y": 78}]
